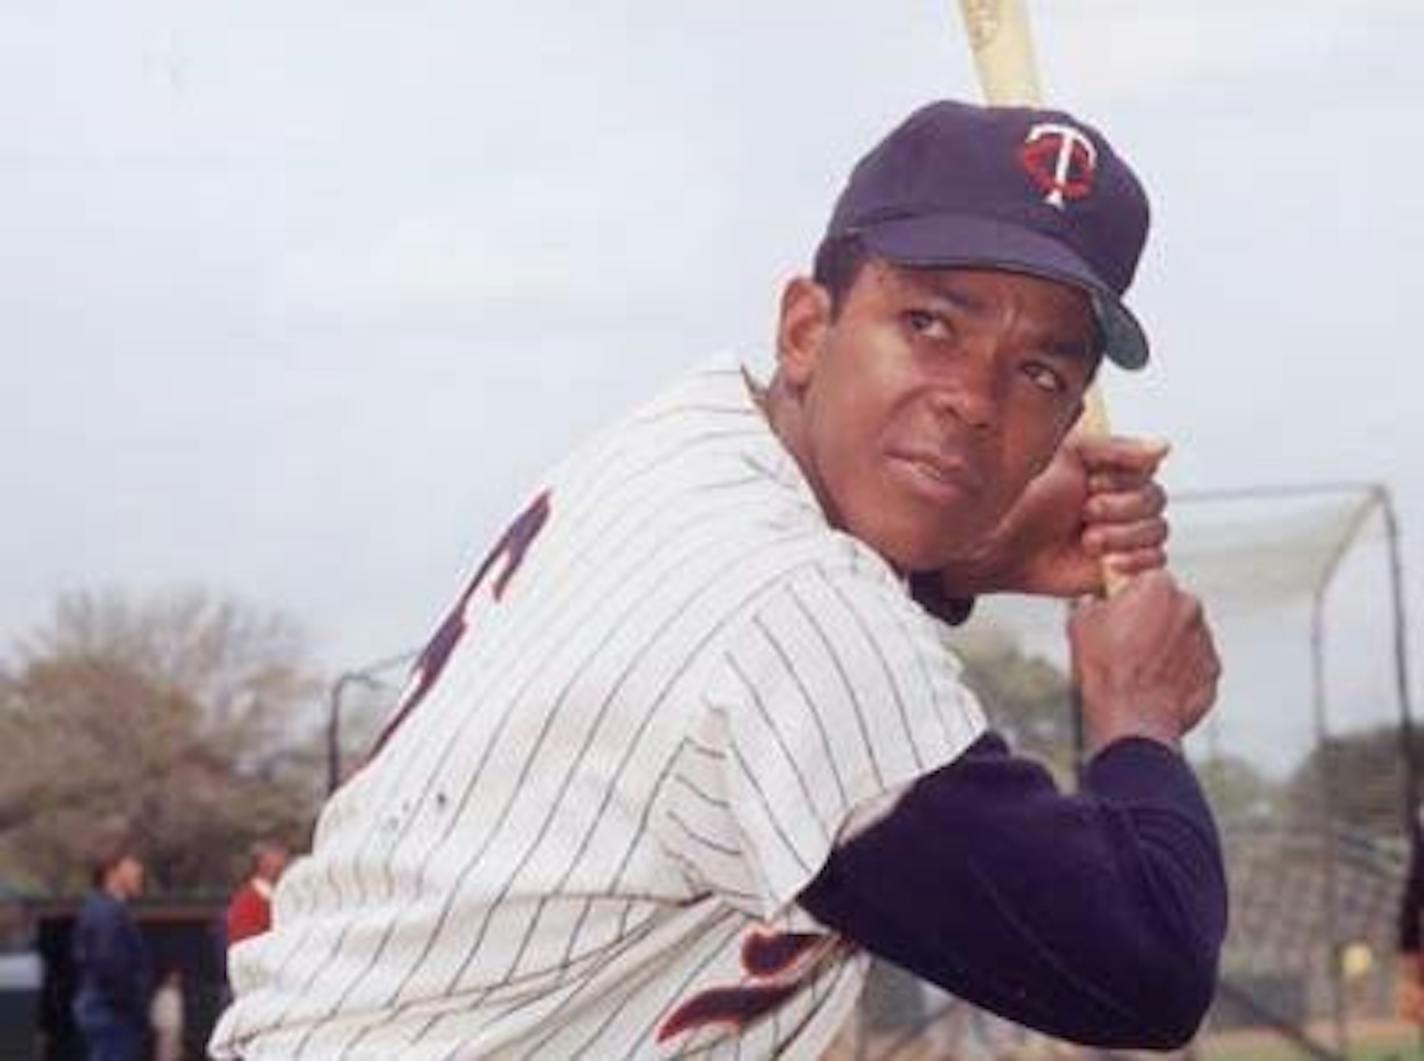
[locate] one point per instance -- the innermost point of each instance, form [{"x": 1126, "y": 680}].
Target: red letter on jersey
[{"x": 511, "y": 548}]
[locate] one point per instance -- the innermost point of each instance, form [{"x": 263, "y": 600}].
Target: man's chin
[
  {"x": 908, "y": 552},
  {"x": 916, "y": 536}
]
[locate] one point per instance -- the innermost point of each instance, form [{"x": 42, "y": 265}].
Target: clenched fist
[
  {"x": 1097, "y": 502},
  {"x": 1145, "y": 662}
]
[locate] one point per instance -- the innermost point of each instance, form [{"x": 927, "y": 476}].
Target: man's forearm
[{"x": 1096, "y": 917}]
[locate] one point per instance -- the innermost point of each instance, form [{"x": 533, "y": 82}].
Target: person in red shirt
[{"x": 250, "y": 911}]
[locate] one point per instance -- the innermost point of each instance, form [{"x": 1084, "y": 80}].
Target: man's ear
[{"x": 804, "y": 321}]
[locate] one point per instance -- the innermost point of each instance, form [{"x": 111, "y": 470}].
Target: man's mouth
[{"x": 938, "y": 474}]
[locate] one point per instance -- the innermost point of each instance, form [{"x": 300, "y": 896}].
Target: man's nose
[{"x": 969, "y": 390}]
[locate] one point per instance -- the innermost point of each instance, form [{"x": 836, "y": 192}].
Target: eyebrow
[
  {"x": 1077, "y": 349},
  {"x": 939, "y": 287}
]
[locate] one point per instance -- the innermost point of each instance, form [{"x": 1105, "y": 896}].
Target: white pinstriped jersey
[{"x": 665, "y": 696}]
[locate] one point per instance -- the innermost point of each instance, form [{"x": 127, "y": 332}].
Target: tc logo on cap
[{"x": 1061, "y": 160}]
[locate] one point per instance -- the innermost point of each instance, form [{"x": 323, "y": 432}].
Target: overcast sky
[{"x": 296, "y": 299}]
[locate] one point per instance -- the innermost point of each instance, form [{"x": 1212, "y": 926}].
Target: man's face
[
  {"x": 128, "y": 877},
  {"x": 271, "y": 863},
  {"x": 933, "y": 398}
]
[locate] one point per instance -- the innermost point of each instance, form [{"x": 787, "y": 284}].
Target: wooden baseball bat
[
  {"x": 1002, "y": 44},
  {"x": 1003, "y": 50}
]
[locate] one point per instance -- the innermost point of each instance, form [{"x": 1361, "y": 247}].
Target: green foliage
[
  {"x": 1027, "y": 698},
  {"x": 181, "y": 723},
  {"x": 1236, "y": 789},
  {"x": 1363, "y": 779}
]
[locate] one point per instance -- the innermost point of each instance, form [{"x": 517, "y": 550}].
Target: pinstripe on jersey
[{"x": 586, "y": 837}]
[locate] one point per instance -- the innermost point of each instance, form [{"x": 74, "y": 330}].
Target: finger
[
  {"x": 1155, "y": 584},
  {"x": 1102, "y": 539},
  {"x": 1133, "y": 562},
  {"x": 1123, "y": 453},
  {"x": 1145, "y": 503},
  {"x": 1102, "y": 543},
  {"x": 1119, "y": 480}
]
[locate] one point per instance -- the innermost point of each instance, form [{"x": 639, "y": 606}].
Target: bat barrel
[{"x": 1003, "y": 50}]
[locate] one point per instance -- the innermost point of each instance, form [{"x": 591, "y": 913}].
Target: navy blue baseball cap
[{"x": 1015, "y": 188}]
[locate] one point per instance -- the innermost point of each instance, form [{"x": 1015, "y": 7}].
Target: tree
[
  {"x": 1363, "y": 779},
  {"x": 1026, "y": 697},
  {"x": 181, "y": 721},
  {"x": 1236, "y": 789}
]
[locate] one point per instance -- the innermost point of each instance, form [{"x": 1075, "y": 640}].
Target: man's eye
[
  {"x": 930, "y": 325},
  {"x": 1044, "y": 377}
]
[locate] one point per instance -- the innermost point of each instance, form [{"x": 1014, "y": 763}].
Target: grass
[{"x": 1383, "y": 1041}]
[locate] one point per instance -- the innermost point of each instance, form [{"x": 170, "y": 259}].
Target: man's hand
[
  {"x": 1097, "y": 502},
  {"x": 1145, "y": 662}
]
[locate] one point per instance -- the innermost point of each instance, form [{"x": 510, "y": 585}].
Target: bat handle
[{"x": 1095, "y": 422}]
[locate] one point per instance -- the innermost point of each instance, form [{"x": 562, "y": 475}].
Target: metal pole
[
  {"x": 364, "y": 676},
  {"x": 1080, "y": 735},
  {"x": 1327, "y": 818},
  {"x": 1401, "y": 663},
  {"x": 1327, "y": 802},
  {"x": 1407, "y": 749},
  {"x": 333, "y": 733}
]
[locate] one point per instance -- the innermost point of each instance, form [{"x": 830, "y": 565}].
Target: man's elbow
[
  {"x": 1177, "y": 962},
  {"x": 1180, "y": 1020},
  {"x": 1177, "y": 990}
]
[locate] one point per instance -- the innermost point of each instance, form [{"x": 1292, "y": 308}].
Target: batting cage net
[
  {"x": 359, "y": 701},
  {"x": 1304, "y": 759}
]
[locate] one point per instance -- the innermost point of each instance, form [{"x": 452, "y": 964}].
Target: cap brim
[{"x": 947, "y": 240}]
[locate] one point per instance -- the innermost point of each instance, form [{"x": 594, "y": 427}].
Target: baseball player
[{"x": 689, "y": 745}]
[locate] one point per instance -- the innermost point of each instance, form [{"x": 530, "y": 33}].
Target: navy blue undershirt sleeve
[{"x": 1096, "y": 917}]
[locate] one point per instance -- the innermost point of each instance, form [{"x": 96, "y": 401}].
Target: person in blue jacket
[{"x": 112, "y": 961}]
